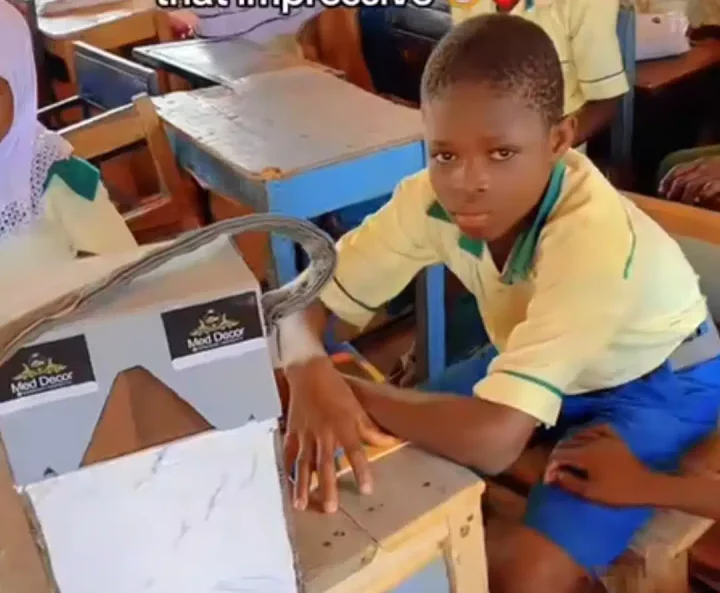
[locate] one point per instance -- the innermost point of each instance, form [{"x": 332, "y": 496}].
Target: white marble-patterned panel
[{"x": 202, "y": 515}]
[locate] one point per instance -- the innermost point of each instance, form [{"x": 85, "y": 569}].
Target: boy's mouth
[{"x": 472, "y": 221}]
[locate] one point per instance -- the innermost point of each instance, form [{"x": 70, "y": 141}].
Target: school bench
[{"x": 657, "y": 561}]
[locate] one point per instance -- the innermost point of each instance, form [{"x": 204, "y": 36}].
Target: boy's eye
[
  {"x": 444, "y": 157},
  {"x": 502, "y": 154}
]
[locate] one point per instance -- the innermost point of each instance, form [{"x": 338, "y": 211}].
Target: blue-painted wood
[
  {"x": 436, "y": 350},
  {"x": 331, "y": 188},
  {"x": 107, "y": 81},
  {"x": 348, "y": 183}
]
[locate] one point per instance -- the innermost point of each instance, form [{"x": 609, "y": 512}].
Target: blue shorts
[{"x": 660, "y": 416}]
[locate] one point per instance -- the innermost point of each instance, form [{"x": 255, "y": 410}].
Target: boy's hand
[
  {"x": 323, "y": 416},
  {"x": 697, "y": 182},
  {"x": 597, "y": 465}
]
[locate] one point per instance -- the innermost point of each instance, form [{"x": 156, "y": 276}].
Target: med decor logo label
[
  {"x": 58, "y": 366},
  {"x": 194, "y": 333}
]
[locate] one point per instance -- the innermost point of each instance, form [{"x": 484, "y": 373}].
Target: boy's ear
[{"x": 562, "y": 135}]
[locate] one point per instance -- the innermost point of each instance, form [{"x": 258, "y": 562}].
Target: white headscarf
[{"x": 28, "y": 150}]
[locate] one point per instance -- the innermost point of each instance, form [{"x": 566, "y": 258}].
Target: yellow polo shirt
[
  {"x": 594, "y": 295},
  {"x": 585, "y": 36}
]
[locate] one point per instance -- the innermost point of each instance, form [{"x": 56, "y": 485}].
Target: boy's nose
[{"x": 473, "y": 177}]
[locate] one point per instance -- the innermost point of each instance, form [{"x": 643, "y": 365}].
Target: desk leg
[
  {"x": 430, "y": 314},
  {"x": 464, "y": 551},
  {"x": 283, "y": 255},
  {"x": 67, "y": 53}
]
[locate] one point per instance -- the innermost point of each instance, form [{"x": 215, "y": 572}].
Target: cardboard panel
[
  {"x": 201, "y": 514},
  {"x": 115, "y": 478}
]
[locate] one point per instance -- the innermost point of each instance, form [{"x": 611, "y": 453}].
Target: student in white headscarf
[{"x": 52, "y": 205}]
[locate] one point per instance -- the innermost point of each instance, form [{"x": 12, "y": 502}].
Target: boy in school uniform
[
  {"x": 585, "y": 37},
  {"x": 594, "y": 313}
]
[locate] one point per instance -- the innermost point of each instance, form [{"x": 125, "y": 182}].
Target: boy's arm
[
  {"x": 696, "y": 495},
  {"x": 598, "y": 63},
  {"x": 580, "y": 298},
  {"x": 480, "y": 434},
  {"x": 378, "y": 259},
  {"x": 375, "y": 262}
]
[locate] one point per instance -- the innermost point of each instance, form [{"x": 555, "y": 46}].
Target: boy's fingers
[
  {"x": 711, "y": 190},
  {"x": 550, "y": 473},
  {"x": 675, "y": 188},
  {"x": 361, "y": 468},
  {"x": 571, "y": 483},
  {"x": 573, "y": 457},
  {"x": 304, "y": 468},
  {"x": 291, "y": 447},
  {"x": 691, "y": 190},
  {"x": 675, "y": 173},
  {"x": 326, "y": 473}
]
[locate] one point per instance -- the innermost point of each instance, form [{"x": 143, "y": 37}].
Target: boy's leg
[{"x": 565, "y": 539}]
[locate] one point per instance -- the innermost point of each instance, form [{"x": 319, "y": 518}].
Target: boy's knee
[{"x": 520, "y": 560}]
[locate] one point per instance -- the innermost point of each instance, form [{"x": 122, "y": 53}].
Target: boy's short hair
[{"x": 502, "y": 50}]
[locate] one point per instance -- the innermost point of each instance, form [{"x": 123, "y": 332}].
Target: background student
[
  {"x": 52, "y": 205},
  {"x": 585, "y": 36},
  {"x": 597, "y": 465}
]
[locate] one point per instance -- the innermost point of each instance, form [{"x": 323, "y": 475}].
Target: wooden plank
[
  {"x": 377, "y": 541},
  {"x": 681, "y": 219},
  {"x": 655, "y": 75},
  {"x": 105, "y": 132},
  {"x": 330, "y": 548},
  {"x": 88, "y": 24},
  {"x": 22, "y": 568},
  {"x": 408, "y": 485},
  {"x": 464, "y": 552}
]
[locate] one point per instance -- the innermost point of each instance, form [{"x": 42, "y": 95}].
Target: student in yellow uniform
[
  {"x": 585, "y": 37},
  {"x": 52, "y": 204},
  {"x": 594, "y": 313}
]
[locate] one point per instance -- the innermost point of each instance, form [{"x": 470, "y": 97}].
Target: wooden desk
[
  {"x": 206, "y": 62},
  {"x": 109, "y": 27},
  {"x": 423, "y": 508},
  {"x": 655, "y": 75},
  {"x": 295, "y": 141}
]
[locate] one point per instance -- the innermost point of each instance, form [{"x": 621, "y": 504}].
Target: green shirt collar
[
  {"x": 79, "y": 175},
  {"x": 523, "y": 253}
]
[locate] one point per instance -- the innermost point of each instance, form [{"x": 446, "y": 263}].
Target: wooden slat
[
  {"x": 22, "y": 568},
  {"x": 105, "y": 133},
  {"x": 680, "y": 219},
  {"x": 184, "y": 196}
]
